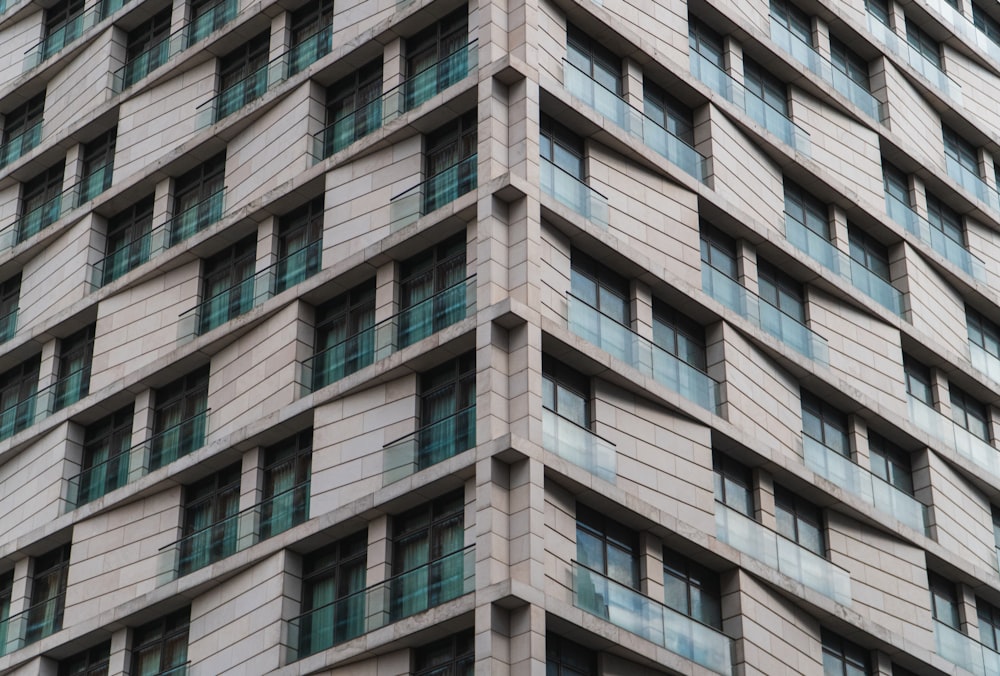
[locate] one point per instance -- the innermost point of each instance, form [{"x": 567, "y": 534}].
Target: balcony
[
  {"x": 21, "y": 144},
  {"x": 96, "y": 182},
  {"x": 579, "y": 445},
  {"x": 985, "y": 362},
  {"x": 40, "y": 620},
  {"x": 411, "y": 592},
  {"x": 632, "y": 611},
  {"x": 965, "y": 652},
  {"x": 858, "y": 481},
  {"x": 8, "y": 325},
  {"x": 972, "y": 182},
  {"x": 812, "y": 571},
  {"x": 235, "y": 533},
  {"x": 775, "y": 121},
  {"x": 965, "y": 28},
  {"x": 172, "y": 443},
  {"x": 642, "y": 354},
  {"x": 227, "y": 304},
  {"x": 902, "y": 49},
  {"x": 951, "y": 249},
  {"x": 18, "y": 416},
  {"x": 420, "y": 320},
  {"x": 310, "y": 50},
  {"x": 98, "y": 480},
  {"x": 829, "y": 256},
  {"x": 763, "y": 314},
  {"x": 966, "y": 444},
  {"x": 146, "y": 62},
  {"x": 433, "y": 193},
  {"x": 196, "y": 218},
  {"x": 429, "y": 445},
  {"x": 60, "y": 37},
  {"x": 434, "y": 79},
  {"x": 571, "y": 191},
  {"x": 214, "y": 18},
  {"x": 805, "y": 54}
]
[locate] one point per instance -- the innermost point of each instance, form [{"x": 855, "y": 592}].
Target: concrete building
[{"x": 510, "y": 337}]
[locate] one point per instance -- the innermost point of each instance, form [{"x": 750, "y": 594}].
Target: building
[{"x": 380, "y": 338}]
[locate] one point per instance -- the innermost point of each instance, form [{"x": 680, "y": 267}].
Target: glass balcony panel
[
  {"x": 207, "y": 545},
  {"x": 435, "y": 313},
  {"x": 148, "y": 61},
  {"x": 959, "y": 649},
  {"x": 743, "y": 533},
  {"x": 127, "y": 257},
  {"x": 856, "y": 94},
  {"x": 836, "y": 468},
  {"x": 20, "y": 144},
  {"x": 39, "y": 218},
  {"x": 60, "y": 37},
  {"x": 298, "y": 266},
  {"x": 433, "y": 193},
  {"x": 632, "y": 611},
  {"x": 903, "y": 214},
  {"x": 284, "y": 510},
  {"x": 876, "y": 287},
  {"x": 600, "y": 98},
  {"x": 972, "y": 182},
  {"x": 673, "y": 148},
  {"x": 212, "y": 20},
  {"x": 791, "y": 331},
  {"x": 330, "y": 625},
  {"x": 177, "y": 441},
  {"x": 984, "y": 362},
  {"x": 574, "y": 193},
  {"x": 812, "y": 243},
  {"x": 98, "y": 480},
  {"x": 802, "y": 52},
  {"x": 229, "y": 304},
  {"x": 890, "y": 500},
  {"x": 310, "y": 50},
  {"x": 8, "y": 325},
  {"x": 770, "y": 118},
  {"x": 341, "y": 360},
  {"x": 97, "y": 182},
  {"x": 70, "y": 389},
  {"x": 17, "y": 417},
  {"x": 448, "y": 71},
  {"x": 814, "y": 571},
  {"x": 43, "y": 619},
  {"x": 242, "y": 93},
  {"x": 196, "y": 218},
  {"x": 715, "y": 79},
  {"x": 429, "y": 445},
  {"x": 579, "y": 445},
  {"x": 429, "y": 585},
  {"x": 724, "y": 289},
  {"x": 975, "y": 449}
]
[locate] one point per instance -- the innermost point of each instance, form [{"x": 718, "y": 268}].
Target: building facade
[{"x": 509, "y": 337}]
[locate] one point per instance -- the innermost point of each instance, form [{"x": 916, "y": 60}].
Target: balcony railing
[
  {"x": 8, "y": 325},
  {"x": 414, "y": 591},
  {"x": 60, "y": 37},
  {"x": 433, "y": 193},
  {"x": 632, "y": 611},
  {"x": 985, "y": 362},
  {"x": 811, "y": 570},
  {"x": 434, "y": 79},
  {"x": 98, "y": 480},
  {"x": 228, "y": 304},
  {"x": 18, "y": 416},
  {"x": 964, "y": 651},
  {"x": 410, "y": 325},
  {"x": 174, "y": 442},
  {"x": 196, "y": 218},
  {"x": 762, "y": 313},
  {"x": 40, "y": 620},
  {"x": 387, "y": 106},
  {"x": 972, "y": 182},
  {"x": 574, "y": 193},
  {"x": 886, "y": 498},
  {"x": 96, "y": 182},
  {"x": 966, "y": 29},
  {"x": 152, "y": 58},
  {"x": 579, "y": 445},
  {"x": 298, "y": 266},
  {"x": 805, "y": 54},
  {"x": 917, "y": 61},
  {"x": 642, "y": 354},
  {"x": 239, "y": 531},
  {"x": 978, "y": 451},
  {"x": 828, "y": 255},
  {"x": 775, "y": 121},
  {"x": 310, "y": 50},
  {"x": 212, "y": 19},
  {"x": 429, "y": 445},
  {"x": 20, "y": 144}
]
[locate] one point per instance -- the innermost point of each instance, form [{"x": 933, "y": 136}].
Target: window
[
  {"x": 179, "y": 418},
  {"x": 707, "y": 44},
  {"x": 869, "y": 253},
  {"x": 209, "y": 15},
  {"x": 228, "y": 288},
  {"x": 427, "y": 560},
  {"x": 766, "y": 89},
  {"x": 969, "y": 414},
  {"x": 198, "y": 198},
  {"x": 333, "y": 599},
  {"x": 6, "y": 593},
  {"x": 61, "y": 25},
  {"x": 309, "y": 20},
  {"x": 287, "y": 468},
  {"x": 983, "y": 333},
  {"x": 442, "y": 44},
  {"x": 566, "y": 658},
  {"x": 447, "y": 410},
  {"x": 842, "y": 657},
  {"x": 105, "y": 461},
  {"x": 809, "y": 214},
  {"x": 923, "y": 43},
  {"x": 792, "y": 19},
  {"x": 897, "y": 191},
  {"x": 345, "y": 336},
  {"x": 799, "y": 520},
  {"x": 92, "y": 662},
  {"x": 432, "y": 294},
  {"x": 128, "y": 243},
  {"x": 563, "y": 165},
  {"x": 300, "y": 234},
  {"x": 593, "y": 60},
  {"x": 986, "y": 23},
  {"x": 719, "y": 268},
  {"x": 961, "y": 156},
  {"x": 733, "y": 484},
  {"x": 450, "y": 162},
  {"x": 41, "y": 203},
  {"x": 989, "y": 624},
  {"x": 825, "y": 424},
  {"x": 354, "y": 107},
  {"x": 607, "y": 547},
  {"x": 10, "y": 294},
  {"x": 783, "y": 310},
  {"x": 678, "y": 335},
  {"x": 146, "y": 48},
  {"x": 944, "y": 601},
  {"x": 918, "y": 381},
  {"x": 691, "y": 589},
  {"x": 48, "y": 594},
  {"x": 76, "y": 353},
  {"x": 98, "y": 165},
  {"x": 667, "y": 112},
  {"x": 601, "y": 288},
  {"x": 243, "y": 75},
  {"x": 846, "y": 61},
  {"x": 17, "y": 397},
  {"x": 565, "y": 392},
  {"x": 210, "y": 529},
  {"x": 451, "y": 656},
  {"x": 22, "y": 120},
  {"x": 890, "y": 463},
  {"x": 161, "y": 646}
]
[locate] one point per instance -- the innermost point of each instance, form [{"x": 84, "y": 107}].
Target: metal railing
[
  {"x": 20, "y": 144},
  {"x": 69, "y": 31},
  {"x": 211, "y": 20},
  {"x": 964, "y": 651},
  {"x": 917, "y": 61},
  {"x": 149, "y": 60},
  {"x": 574, "y": 193},
  {"x": 429, "y": 445},
  {"x": 33, "y": 624},
  {"x": 437, "y": 77},
  {"x": 172, "y": 443},
  {"x": 978, "y": 451},
  {"x": 433, "y": 193}
]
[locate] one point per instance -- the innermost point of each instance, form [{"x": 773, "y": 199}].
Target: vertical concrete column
[
  {"x": 267, "y": 243},
  {"x": 987, "y": 170},
  {"x": 734, "y": 59},
  {"x": 632, "y": 83},
  {"x": 524, "y": 382},
  {"x": 642, "y": 309},
  {"x": 162, "y": 204},
  {"x": 281, "y": 36},
  {"x": 20, "y": 601},
  {"x": 918, "y": 196},
  {"x": 715, "y": 361},
  {"x": 142, "y": 435},
  {"x": 763, "y": 498},
  {"x": 251, "y": 490},
  {"x": 523, "y": 36},
  {"x": 527, "y": 640},
  {"x": 993, "y": 422},
  {"x": 393, "y": 74},
  {"x": 651, "y": 566},
  {"x": 731, "y": 606},
  {"x": 821, "y": 37},
  {"x": 941, "y": 393},
  {"x": 746, "y": 265},
  {"x": 523, "y": 250},
  {"x": 72, "y": 464},
  {"x": 386, "y": 306},
  {"x": 379, "y": 567},
  {"x": 702, "y": 121},
  {"x": 493, "y": 381},
  {"x": 316, "y": 120},
  {"x": 180, "y": 13},
  {"x": 73, "y": 173},
  {"x": 857, "y": 430},
  {"x": 896, "y": 17},
  {"x": 967, "y": 617},
  {"x": 291, "y": 606},
  {"x": 839, "y": 235},
  {"x": 119, "y": 661},
  {"x": 48, "y": 374},
  {"x": 527, "y": 528},
  {"x": 488, "y": 25}
]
